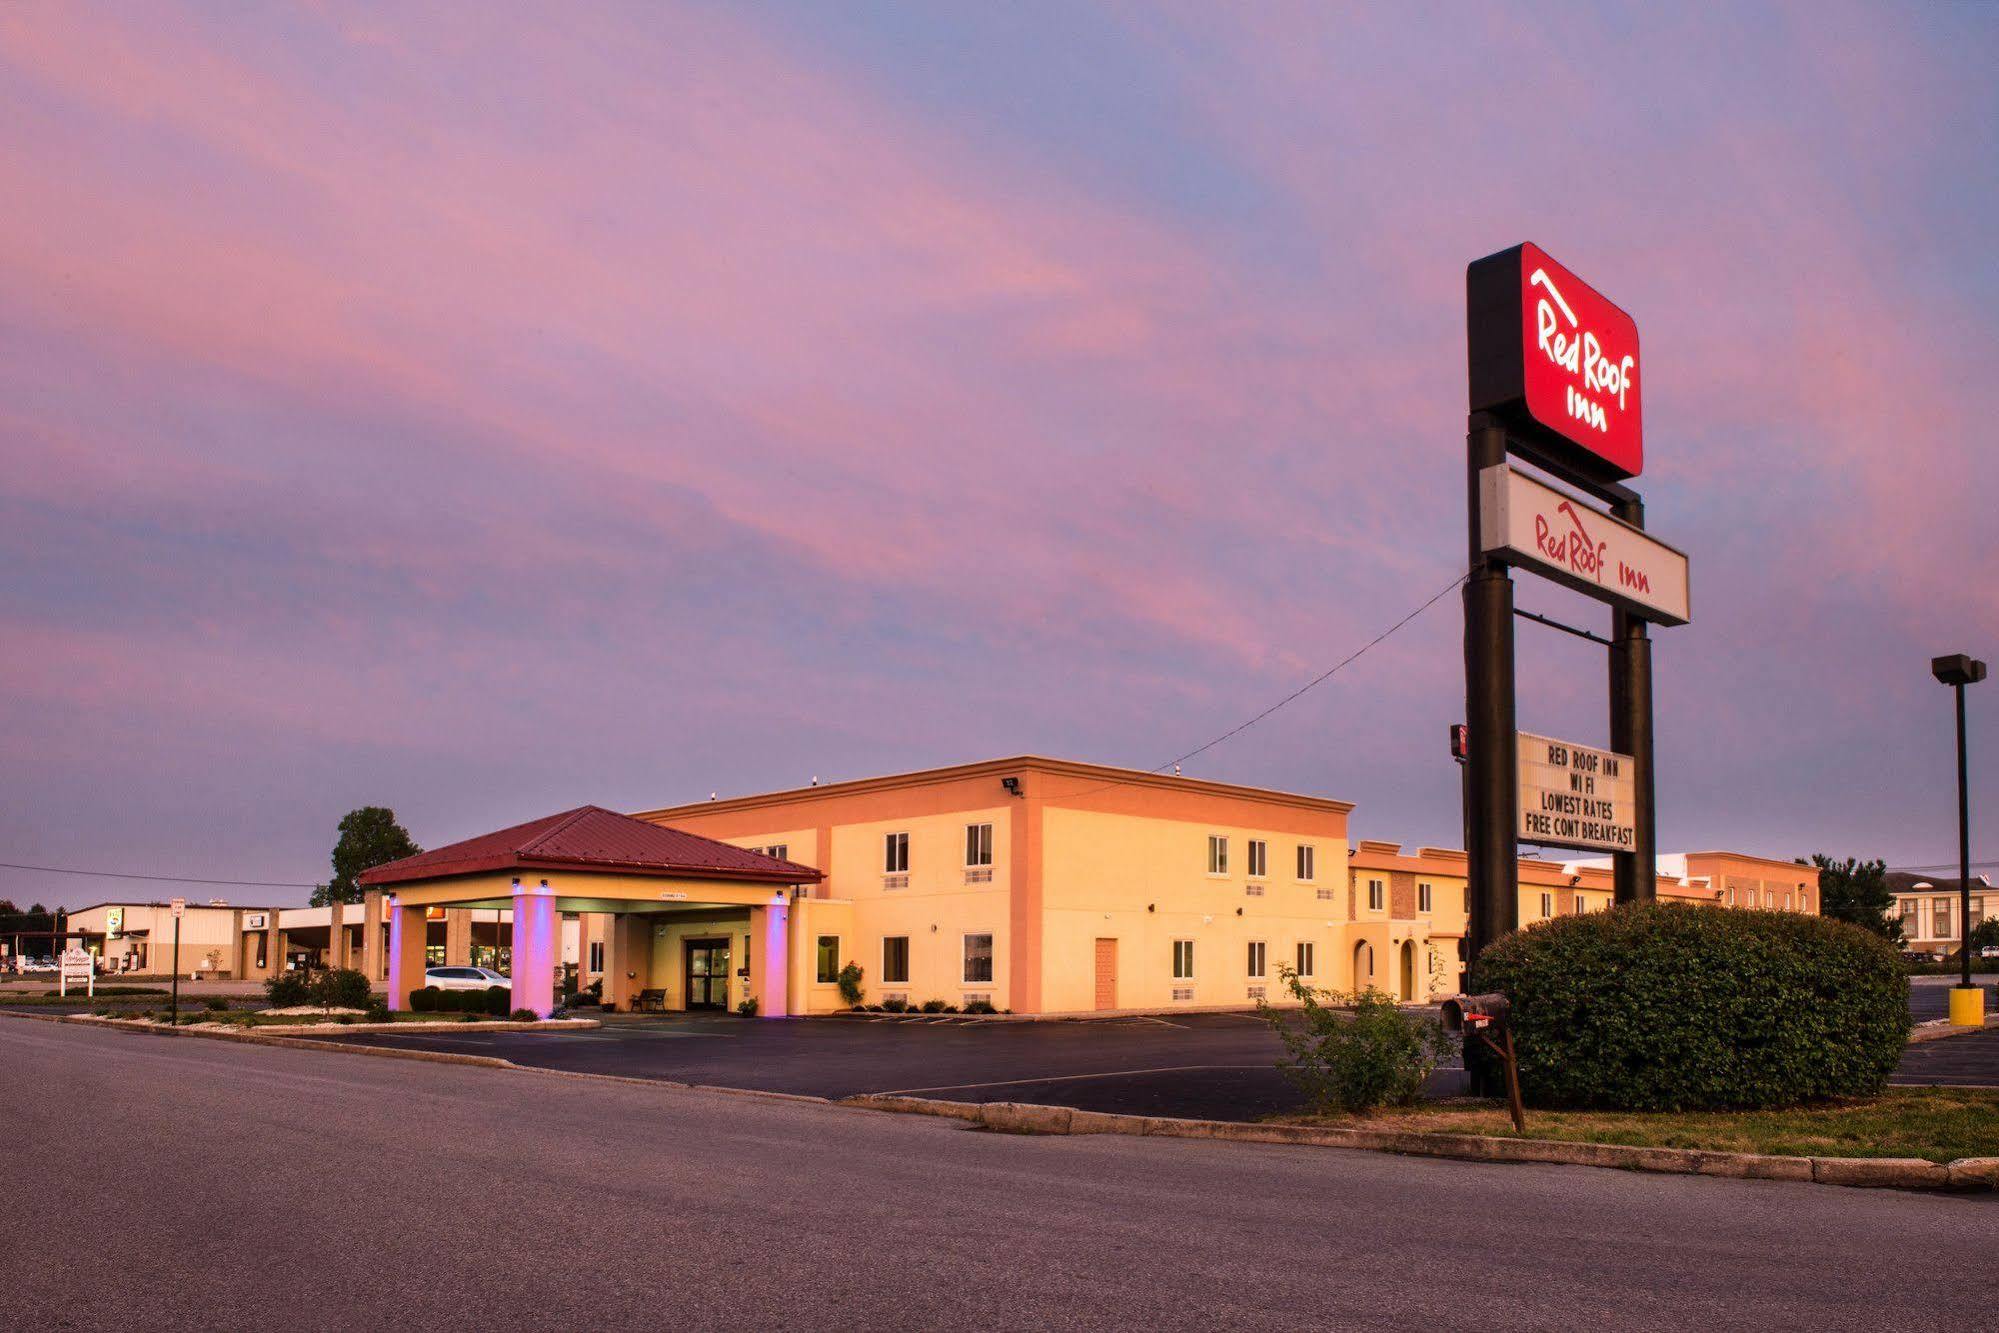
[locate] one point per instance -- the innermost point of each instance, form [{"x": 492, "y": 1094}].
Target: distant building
[{"x": 1929, "y": 907}]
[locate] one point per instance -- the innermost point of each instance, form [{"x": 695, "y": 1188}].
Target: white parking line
[{"x": 1066, "y": 1078}]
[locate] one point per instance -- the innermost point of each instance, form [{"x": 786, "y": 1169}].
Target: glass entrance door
[{"x": 707, "y": 974}]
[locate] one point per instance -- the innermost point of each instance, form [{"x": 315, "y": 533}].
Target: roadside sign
[
  {"x": 1552, "y": 354},
  {"x": 75, "y": 965},
  {"x": 1526, "y": 522},
  {"x": 1575, "y": 795},
  {"x": 177, "y": 906},
  {"x": 114, "y": 922},
  {"x": 255, "y": 921}
]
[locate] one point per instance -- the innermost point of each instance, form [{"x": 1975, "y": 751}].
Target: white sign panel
[
  {"x": 1531, "y": 523},
  {"x": 177, "y": 906},
  {"x": 75, "y": 965},
  {"x": 1575, "y": 796},
  {"x": 256, "y": 921}
]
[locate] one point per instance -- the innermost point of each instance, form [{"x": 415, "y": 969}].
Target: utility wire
[
  {"x": 161, "y": 879},
  {"x": 1296, "y": 694}
]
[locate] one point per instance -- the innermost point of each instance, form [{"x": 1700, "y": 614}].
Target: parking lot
[{"x": 1220, "y": 1066}]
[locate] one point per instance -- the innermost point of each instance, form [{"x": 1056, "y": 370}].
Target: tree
[
  {"x": 369, "y": 837},
  {"x": 1858, "y": 892},
  {"x": 1985, "y": 935}
]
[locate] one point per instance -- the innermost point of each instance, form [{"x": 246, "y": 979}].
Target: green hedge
[
  {"x": 1667, "y": 1007},
  {"x": 424, "y": 999}
]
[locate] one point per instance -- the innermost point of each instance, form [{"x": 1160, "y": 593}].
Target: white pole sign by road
[
  {"x": 1530, "y": 523},
  {"x": 1575, "y": 796}
]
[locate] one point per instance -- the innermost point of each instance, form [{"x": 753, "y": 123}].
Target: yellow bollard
[{"x": 1967, "y": 1007}]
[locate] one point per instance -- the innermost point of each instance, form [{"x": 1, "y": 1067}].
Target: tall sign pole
[
  {"x": 1635, "y": 873},
  {"x": 1553, "y": 371},
  {"x": 178, "y": 906},
  {"x": 1492, "y": 793}
]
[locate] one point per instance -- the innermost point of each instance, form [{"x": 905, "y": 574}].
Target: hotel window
[
  {"x": 978, "y": 959},
  {"x": 1547, "y": 904},
  {"x": 597, "y": 956},
  {"x": 895, "y": 854},
  {"x": 1376, "y": 895},
  {"x": 1422, "y": 897},
  {"x": 1306, "y": 966},
  {"x": 781, "y": 851},
  {"x": 1183, "y": 960},
  {"x": 829, "y": 959},
  {"x": 1256, "y": 958},
  {"x": 1977, "y": 911},
  {"x": 1308, "y": 862},
  {"x": 978, "y": 844},
  {"x": 895, "y": 960},
  {"x": 1218, "y": 855},
  {"x": 1259, "y": 858},
  {"x": 1940, "y": 918}
]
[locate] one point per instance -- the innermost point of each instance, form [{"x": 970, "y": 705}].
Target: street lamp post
[{"x": 1967, "y": 1003}]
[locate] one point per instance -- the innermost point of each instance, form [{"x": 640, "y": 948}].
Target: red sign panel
[{"x": 1551, "y": 353}]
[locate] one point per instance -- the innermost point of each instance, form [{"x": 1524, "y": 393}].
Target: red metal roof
[{"x": 591, "y": 837}]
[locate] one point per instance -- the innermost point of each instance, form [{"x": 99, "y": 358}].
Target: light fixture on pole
[{"x": 1967, "y": 1002}]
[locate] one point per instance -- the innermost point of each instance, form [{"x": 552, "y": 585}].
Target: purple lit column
[
  {"x": 408, "y": 929},
  {"x": 774, "y": 984},
  {"x": 536, "y": 948}
]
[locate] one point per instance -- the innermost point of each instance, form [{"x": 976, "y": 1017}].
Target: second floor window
[
  {"x": 1218, "y": 855},
  {"x": 1306, "y": 958},
  {"x": 1547, "y": 904},
  {"x": 1377, "y": 894},
  {"x": 1259, "y": 858},
  {"x": 895, "y": 855},
  {"x": 1422, "y": 897},
  {"x": 978, "y": 844},
  {"x": 1307, "y": 862}
]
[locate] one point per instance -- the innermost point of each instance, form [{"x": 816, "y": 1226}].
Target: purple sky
[{"x": 485, "y": 412}]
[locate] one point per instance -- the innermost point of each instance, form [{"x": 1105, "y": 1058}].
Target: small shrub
[
  {"x": 981, "y": 1007},
  {"x": 378, "y": 1011},
  {"x": 469, "y": 1017},
  {"x": 1669, "y": 1007},
  {"x": 747, "y": 1007},
  {"x": 1352, "y": 1052},
  {"x": 340, "y": 988},
  {"x": 343, "y": 1019},
  {"x": 895, "y": 1004},
  {"x": 849, "y": 982},
  {"x": 215, "y": 1004},
  {"x": 499, "y": 999},
  {"x": 933, "y": 1006},
  {"x": 526, "y": 1016},
  {"x": 288, "y": 990},
  {"x": 424, "y": 1000}
]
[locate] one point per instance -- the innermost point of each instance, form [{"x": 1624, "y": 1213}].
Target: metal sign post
[{"x": 178, "y": 906}]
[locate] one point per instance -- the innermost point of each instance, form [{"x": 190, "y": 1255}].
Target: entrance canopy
[{"x": 584, "y": 860}]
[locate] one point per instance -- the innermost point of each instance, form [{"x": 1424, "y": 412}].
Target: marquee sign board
[
  {"x": 1529, "y": 523},
  {"x": 1556, "y": 359},
  {"x": 1575, "y": 796}
]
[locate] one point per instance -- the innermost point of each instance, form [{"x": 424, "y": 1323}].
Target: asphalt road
[{"x": 178, "y": 1183}]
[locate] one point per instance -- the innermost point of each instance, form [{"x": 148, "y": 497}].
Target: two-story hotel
[{"x": 1036, "y": 885}]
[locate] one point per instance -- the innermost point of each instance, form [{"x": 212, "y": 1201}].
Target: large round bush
[{"x": 1661, "y": 1007}]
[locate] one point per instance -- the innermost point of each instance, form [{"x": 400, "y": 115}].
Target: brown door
[{"x": 1106, "y": 974}]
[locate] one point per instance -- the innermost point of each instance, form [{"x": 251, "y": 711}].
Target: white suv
[{"x": 464, "y": 978}]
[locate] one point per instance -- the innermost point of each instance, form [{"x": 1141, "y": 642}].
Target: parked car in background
[
  {"x": 43, "y": 964},
  {"x": 465, "y": 978}
]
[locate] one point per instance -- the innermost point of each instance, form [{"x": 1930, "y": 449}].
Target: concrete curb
[{"x": 1970, "y": 1173}]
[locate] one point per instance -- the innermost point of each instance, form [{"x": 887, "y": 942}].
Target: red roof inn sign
[
  {"x": 1529, "y": 523},
  {"x": 1556, "y": 381},
  {"x": 1549, "y": 351}
]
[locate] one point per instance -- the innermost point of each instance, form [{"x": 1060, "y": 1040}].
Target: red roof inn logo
[{"x": 1549, "y": 353}]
